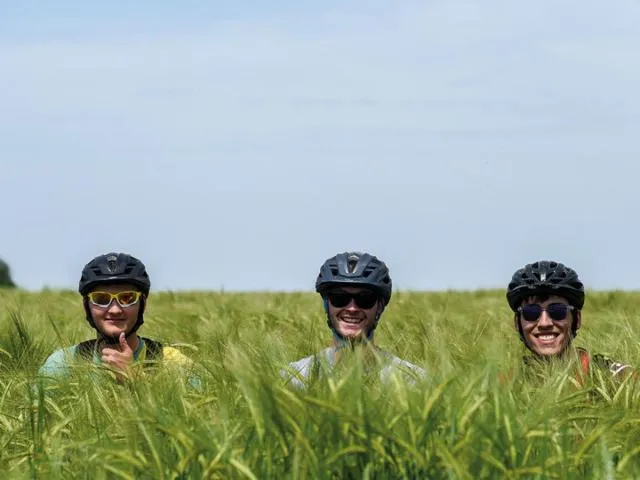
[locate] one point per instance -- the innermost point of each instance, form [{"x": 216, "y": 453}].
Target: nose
[
  {"x": 352, "y": 305},
  {"x": 545, "y": 320},
  {"x": 114, "y": 306}
]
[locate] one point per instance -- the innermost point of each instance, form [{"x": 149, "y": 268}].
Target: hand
[{"x": 118, "y": 358}]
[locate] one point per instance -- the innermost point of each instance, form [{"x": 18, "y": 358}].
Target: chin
[
  {"x": 351, "y": 335},
  {"x": 113, "y": 331},
  {"x": 549, "y": 351}
]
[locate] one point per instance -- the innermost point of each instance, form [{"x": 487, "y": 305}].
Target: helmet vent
[
  {"x": 112, "y": 263},
  {"x": 367, "y": 271},
  {"x": 351, "y": 263}
]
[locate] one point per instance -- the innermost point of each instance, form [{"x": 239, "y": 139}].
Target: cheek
[
  {"x": 97, "y": 313},
  {"x": 527, "y": 327},
  {"x": 132, "y": 313},
  {"x": 371, "y": 315}
]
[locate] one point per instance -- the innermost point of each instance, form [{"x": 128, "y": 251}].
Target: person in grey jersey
[{"x": 355, "y": 288}]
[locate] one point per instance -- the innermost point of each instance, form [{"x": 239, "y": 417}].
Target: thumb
[{"x": 124, "y": 346}]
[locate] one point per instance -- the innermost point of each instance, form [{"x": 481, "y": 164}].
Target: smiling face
[
  {"x": 546, "y": 324},
  {"x": 353, "y": 311},
  {"x": 113, "y": 319}
]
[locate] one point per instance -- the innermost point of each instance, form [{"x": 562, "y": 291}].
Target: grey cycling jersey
[{"x": 324, "y": 361}]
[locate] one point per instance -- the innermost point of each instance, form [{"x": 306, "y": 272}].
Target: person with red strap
[{"x": 547, "y": 298}]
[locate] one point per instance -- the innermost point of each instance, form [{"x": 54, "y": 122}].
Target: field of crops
[{"x": 465, "y": 420}]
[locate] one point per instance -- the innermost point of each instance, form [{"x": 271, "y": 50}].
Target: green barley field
[{"x": 467, "y": 420}]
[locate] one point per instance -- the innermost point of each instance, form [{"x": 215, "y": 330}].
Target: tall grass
[{"x": 465, "y": 420}]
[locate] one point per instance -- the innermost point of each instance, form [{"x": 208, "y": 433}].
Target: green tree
[{"x": 5, "y": 275}]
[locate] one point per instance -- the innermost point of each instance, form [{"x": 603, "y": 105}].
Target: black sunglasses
[
  {"x": 341, "y": 299},
  {"x": 556, "y": 311}
]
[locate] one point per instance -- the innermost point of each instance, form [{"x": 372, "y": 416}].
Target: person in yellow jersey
[{"x": 115, "y": 289}]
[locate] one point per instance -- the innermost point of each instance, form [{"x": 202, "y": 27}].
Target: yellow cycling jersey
[{"x": 148, "y": 352}]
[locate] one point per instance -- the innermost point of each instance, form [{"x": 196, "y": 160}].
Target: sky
[{"x": 237, "y": 145}]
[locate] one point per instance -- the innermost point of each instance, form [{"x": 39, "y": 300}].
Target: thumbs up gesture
[{"x": 118, "y": 358}]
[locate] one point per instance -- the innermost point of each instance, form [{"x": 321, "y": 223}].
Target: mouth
[
  {"x": 351, "y": 320},
  {"x": 545, "y": 338}
]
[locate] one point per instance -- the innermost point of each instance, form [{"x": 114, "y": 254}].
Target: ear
[
  {"x": 516, "y": 322},
  {"x": 578, "y": 319},
  {"x": 143, "y": 304},
  {"x": 87, "y": 311}
]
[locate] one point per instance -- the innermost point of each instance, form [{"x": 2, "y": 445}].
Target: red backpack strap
[{"x": 585, "y": 363}]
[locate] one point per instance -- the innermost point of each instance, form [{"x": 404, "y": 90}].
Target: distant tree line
[{"x": 5, "y": 275}]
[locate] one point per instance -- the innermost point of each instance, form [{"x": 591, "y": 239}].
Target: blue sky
[{"x": 239, "y": 146}]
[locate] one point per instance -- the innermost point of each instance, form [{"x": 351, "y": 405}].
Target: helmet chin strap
[{"x": 341, "y": 341}]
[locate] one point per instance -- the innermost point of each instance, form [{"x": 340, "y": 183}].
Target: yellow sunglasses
[{"x": 124, "y": 299}]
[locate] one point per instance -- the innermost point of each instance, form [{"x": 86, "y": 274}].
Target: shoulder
[
  {"x": 173, "y": 356},
  {"x": 606, "y": 363},
  {"x": 299, "y": 368},
  {"x": 396, "y": 364},
  {"x": 58, "y": 362},
  {"x": 304, "y": 367},
  {"x": 169, "y": 354},
  {"x": 305, "y": 364},
  {"x": 174, "y": 359},
  {"x": 397, "y": 367},
  {"x": 155, "y": 350},
  {"x": 171, "y": 359},
  {"x": 152, "y": 349}
]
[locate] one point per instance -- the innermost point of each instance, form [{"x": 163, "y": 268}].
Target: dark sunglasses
[
  {"x": 556, "y": 311},
  {"x": 363, "y": 300}
]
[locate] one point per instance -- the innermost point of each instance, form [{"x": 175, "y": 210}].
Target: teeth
[
  {"x": 546, "y": 337},
  {"x": 351, "y": 320}
]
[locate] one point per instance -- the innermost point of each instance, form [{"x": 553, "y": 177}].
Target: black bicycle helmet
[
  {"x": 547, "y": 278},
  {"x": 355, "y": 269},
  {"x": 112, "y": 268}
]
